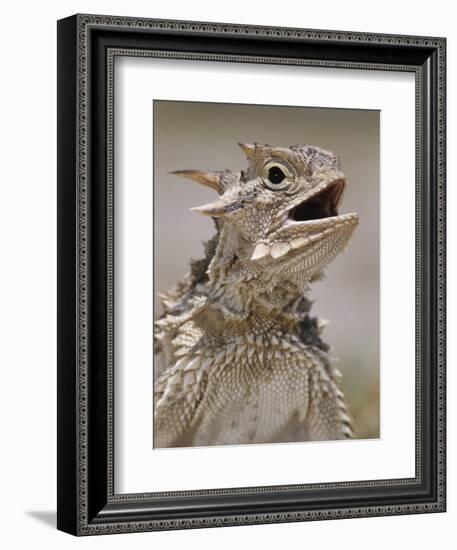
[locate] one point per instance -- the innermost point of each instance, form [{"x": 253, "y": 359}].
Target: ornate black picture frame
[{"x": 87, "y": 46}]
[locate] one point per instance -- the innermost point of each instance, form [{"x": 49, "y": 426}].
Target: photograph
[{"x": 266, "y": 274}]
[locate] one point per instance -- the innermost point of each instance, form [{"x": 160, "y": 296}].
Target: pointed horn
[
  {"x": 215, "y": 209},
  {"x": 208, "y": 179},
  {"x": 248, "y": 149}
]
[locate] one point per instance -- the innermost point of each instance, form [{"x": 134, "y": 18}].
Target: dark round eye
[{"x": 276, "y": 175}]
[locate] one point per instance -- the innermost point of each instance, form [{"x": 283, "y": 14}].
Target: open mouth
[
  {"x": 294, "y": 235},
  {"x": 323, "y": 205}
]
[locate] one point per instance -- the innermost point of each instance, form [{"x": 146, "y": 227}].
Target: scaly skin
[{"x": 241, "y": 360}]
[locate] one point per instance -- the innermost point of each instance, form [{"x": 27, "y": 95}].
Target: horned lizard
[{"x": 240, "y": 359}]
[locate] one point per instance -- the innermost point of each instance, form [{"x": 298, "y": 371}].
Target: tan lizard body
[{"x": 241, "y": 360}]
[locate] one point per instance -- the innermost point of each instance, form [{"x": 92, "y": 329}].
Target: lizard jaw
[
  {"x": 316, "y": 230},
  {"x": 308, "y": 222}
]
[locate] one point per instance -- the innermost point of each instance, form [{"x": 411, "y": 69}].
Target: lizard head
[{"x": 278, "y": 220}]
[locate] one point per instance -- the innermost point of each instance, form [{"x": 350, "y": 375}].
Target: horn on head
[
  {"x": 208, "y": 179},
  {"x": 216, "y": 209},
  {"x": 248, "y": 149}
]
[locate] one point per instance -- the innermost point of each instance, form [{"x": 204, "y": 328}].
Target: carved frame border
[{"x": 76, "y": 511}]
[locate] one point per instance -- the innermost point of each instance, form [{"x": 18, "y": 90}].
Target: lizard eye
[{"x": 275, "y": 175}]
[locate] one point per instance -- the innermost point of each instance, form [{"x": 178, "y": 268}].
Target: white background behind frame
[
  {"x": 29, "y": 303},
  {"x": 137, "y": 467}
]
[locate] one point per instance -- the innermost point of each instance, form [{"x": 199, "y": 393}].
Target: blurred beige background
[{"x": 205, "y": 136}]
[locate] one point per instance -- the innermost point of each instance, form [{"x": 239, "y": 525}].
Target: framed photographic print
[{"x": 251, "y": 274}]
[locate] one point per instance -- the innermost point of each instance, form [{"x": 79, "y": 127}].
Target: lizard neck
[
  {"x": 238, "y": 311},
  {"x": 252, "y": 298},
  {"x": 245, "y": 290}
]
